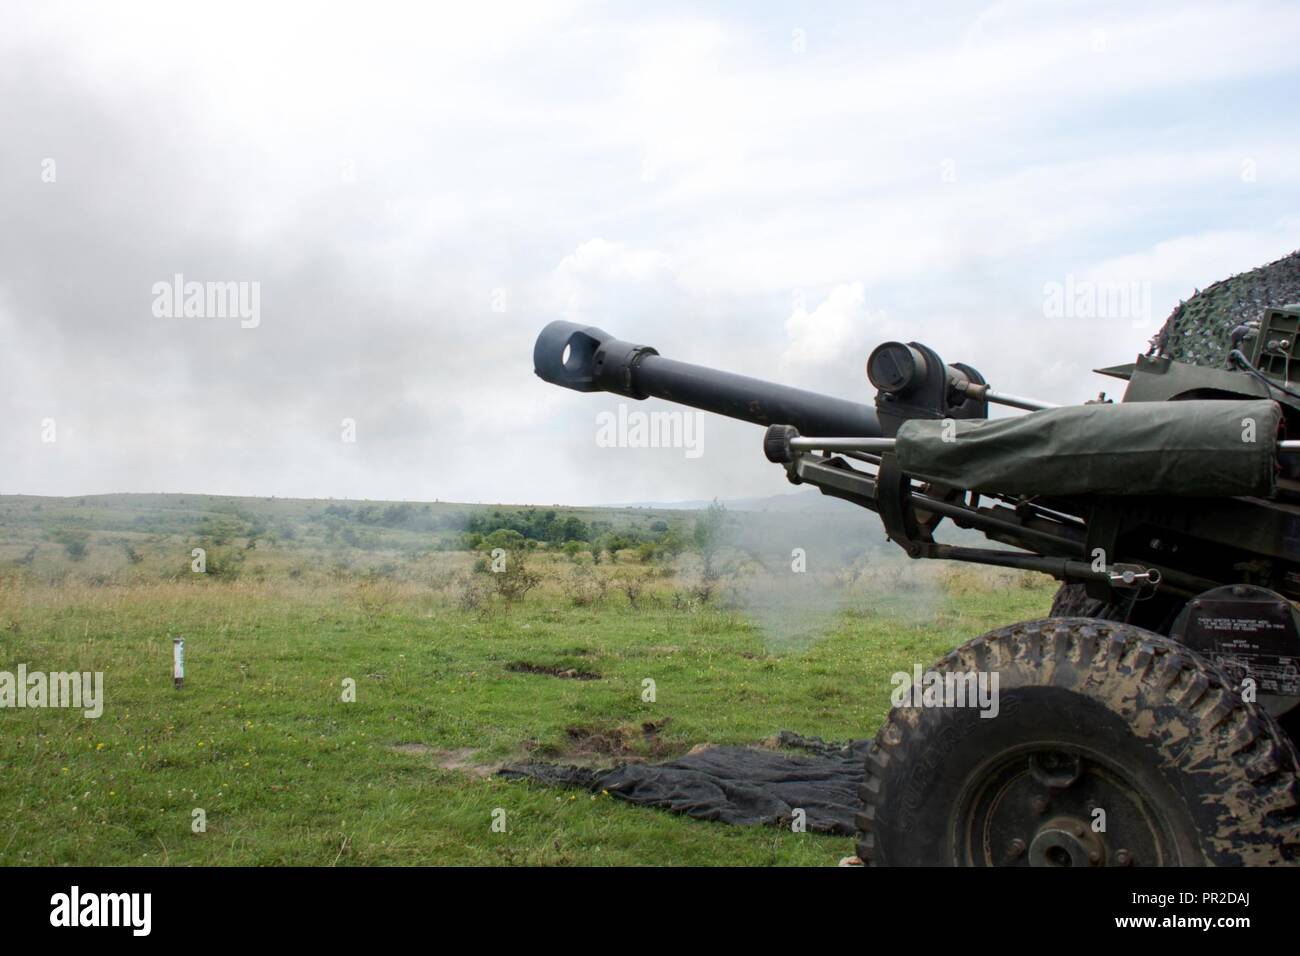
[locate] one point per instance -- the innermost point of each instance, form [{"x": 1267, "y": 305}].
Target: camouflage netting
[
  {"x": 1197, "y": 331},
  {"x": 745, "y": 786}
]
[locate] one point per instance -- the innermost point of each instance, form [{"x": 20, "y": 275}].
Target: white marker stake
[{"x": 178, "y": 661}]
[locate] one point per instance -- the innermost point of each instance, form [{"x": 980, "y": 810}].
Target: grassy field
[{"x": 451, "y": 682}]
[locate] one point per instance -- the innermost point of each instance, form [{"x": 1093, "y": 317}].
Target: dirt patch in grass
[
  {"x": 461, "y": 759},
  {"x": 652, "y": 727},
  {"x": 600, "y": 742},
  {"x": 551, "y": 670}
]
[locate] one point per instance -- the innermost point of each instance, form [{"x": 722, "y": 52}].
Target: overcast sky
[{"x": 417, "y": 190}]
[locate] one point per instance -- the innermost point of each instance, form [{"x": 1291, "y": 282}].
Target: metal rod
[
  {"x": 1063, "y": 568},
  {"x": 1057, "y": 567},
  {"x": 1290, "y": 445},
  {"x": 862, "y": 456},
  {"x": 1018, "y": 401},
  {"x": 815, "y": 471},
  {"x": 984, "y": 393},
  {"x": 842, "y": 444},
  {"x": 983, "y": 521}
]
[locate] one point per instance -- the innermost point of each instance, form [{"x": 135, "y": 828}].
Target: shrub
[
  {"x": 375, "y": 596},
  {"x": 584, "y": 588},
  {"x": 632, "y": 586},
  {"x": 515, "y": 579},
  {"x": 74, "y": 542}
]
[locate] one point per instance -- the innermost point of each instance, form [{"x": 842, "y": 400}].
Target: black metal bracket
[
  {"x": 1104, "y": 525},
  {"x": 897, "y": 513}
]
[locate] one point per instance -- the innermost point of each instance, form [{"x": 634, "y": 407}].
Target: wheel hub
[
  {"x": 1057, "y": 805},
  {"x": 1066, "y": 841}
]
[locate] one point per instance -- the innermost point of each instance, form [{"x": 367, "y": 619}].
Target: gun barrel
[{"x": 589, "y": 359}]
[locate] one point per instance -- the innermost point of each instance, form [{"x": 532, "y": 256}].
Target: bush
[
  {"x": 632, "y": 586},
  {"x": 74, "y": 542},
  {"x": 224, "y": 563},
  {"x": 472, "y": 595},
  {"x": 375, "y": 596},
  {"x": 584, "y": 589},
  {"x": 503, "y": 538},
  {"x": 710, "y": 530},
  {"x": 515, "y": 579}
]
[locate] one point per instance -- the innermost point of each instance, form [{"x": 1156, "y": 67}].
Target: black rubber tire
[
  {"x": 1072, "y": 600},
  {"x": 1218, "y": 769}
]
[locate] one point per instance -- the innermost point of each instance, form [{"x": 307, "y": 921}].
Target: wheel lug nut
[
  {"x": 1039, "y": 804},
  {"x": 1123, "y": 857},
  {"x": 1094, "y": 857},
  {"x": 1015, "y": 850}
]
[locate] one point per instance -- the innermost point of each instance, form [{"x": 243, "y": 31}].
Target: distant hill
[
  {"x": 36, "y": 531},
  {"x": 135, "y": 520}
]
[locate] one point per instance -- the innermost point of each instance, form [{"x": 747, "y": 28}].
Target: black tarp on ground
[{"x": 739, "y": 785}]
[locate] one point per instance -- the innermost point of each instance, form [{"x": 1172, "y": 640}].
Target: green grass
[{"x": 288, "y": 773}]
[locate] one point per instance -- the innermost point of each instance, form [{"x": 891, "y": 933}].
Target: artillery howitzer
[{"x": 1139, "y": 724}]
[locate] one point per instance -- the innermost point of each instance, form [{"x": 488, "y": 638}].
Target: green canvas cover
[{"x": 1197, "y": 448}]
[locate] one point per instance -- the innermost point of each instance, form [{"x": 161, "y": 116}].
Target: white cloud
[
  {"x": 1196, "y": 261},
  {"x": 831, "y": 335},
  {"x": 674, "y": 177}
]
